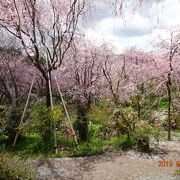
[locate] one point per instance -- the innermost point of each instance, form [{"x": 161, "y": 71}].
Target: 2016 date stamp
[{"x": 165, "y": 163}]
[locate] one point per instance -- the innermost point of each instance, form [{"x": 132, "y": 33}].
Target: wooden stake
[
  {"x": 25, "y": 109},
  {"x": 67, "y": 114},
  {"x": 52, "y": 106}
]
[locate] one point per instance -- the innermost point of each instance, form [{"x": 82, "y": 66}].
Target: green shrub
[
  {"x": 12, "y": 123},
  {"x": 43, "y": 121},
  {"x": 146, "y": 132},
  {"x": 94, "y": 131},
  {"x": 123, "y": 142},
  {"x": 142, "y": 134},
  {"x": 101, "y": 116},
  {"x": 125, "y": 120}
]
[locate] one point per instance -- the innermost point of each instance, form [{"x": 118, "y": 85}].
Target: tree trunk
[
  {"x": 138, "y": 106},
  {"x": 169, "y": 106},
  {"x": 48, "y": 98},
  {"x": 45, "y": 75},
  {"x": 82, "y": 122}
]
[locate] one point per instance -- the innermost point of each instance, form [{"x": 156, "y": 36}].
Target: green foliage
[
  {"x": 138, "y": 101},
  {"x": 94, "y": 131},
  {"x": 102, "y": 122},
  {"x": 65, "y": 141},
  {"x": 165, "y": 124},
  {"x": 85, "y": 150},
  {"x": 3, "y": 108},
  {"x": 125, "y": 120},
  {"x": 30, "y": 145},
  {"x": 12, "y": 122},
  {"x": 3, "y": 143},
  {"x": 2, "y": 124},
  {"x": 96, "y": 147},
  {"x": 15, "y": 169},
  {"x": 43, "y": 121},
  {"x": 2, "y": 117},
  {"x": 100, "y": 116},
  {"x": 163, "y": 104},
  {"x": 56, "y": 114},
  {"x": 146, "y": 132},
  {"x": 43, "y": 124},
  {"x": 81, "y": 123},
  {"x": 123, "y": 142}
]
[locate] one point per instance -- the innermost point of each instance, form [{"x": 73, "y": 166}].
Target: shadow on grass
[
  {"x": 30, "y": 146},
  {"x": 26, "y": 146}
]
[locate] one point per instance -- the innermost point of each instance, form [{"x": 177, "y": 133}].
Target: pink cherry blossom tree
[
  {"x": 15, "y": 74},
  {"x": 81, "y": 78},
  {"x": 45, "y": 29},
  {"x": 168, "y": 63},
  {"x": 142, "y": 71},
  {"x": 119, "y": 6},
  {"x": 126, "y": 73}
]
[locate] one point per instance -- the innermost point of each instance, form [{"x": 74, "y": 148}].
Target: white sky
[{"x": 140, "y": 29}]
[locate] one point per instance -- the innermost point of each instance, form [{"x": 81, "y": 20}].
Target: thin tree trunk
[
  {"x": 48, "y": 97},
  {"x": 138, "y": 106},
  {"x": 82, "y": 122},
  {"x": 169, "y": 106}
]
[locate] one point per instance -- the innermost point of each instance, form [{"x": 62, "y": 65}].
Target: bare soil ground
[{"x": 129, "y": 165}]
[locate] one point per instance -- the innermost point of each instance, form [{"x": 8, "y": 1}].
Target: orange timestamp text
[{"x": 165, "y": 163}]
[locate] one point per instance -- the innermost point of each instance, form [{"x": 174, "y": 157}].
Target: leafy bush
[
  {"x": 146, "y": 132},
  {"x": 125, "y": 120},
  {"x": 12, "y": 123},
  {"x": 123, "y": 142},
  {"x": 43, "y": 121},
  {"x": 94, "y": 131},
  {"x": 101, "y": 116}
]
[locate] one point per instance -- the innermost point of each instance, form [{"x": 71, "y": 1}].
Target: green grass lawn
[{"x": 30, "y": 146}]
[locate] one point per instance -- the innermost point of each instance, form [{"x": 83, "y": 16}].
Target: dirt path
[{"x": 113, "y": 166}]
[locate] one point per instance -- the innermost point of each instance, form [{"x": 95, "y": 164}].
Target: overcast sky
[{"x": 139, "y": 29}]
